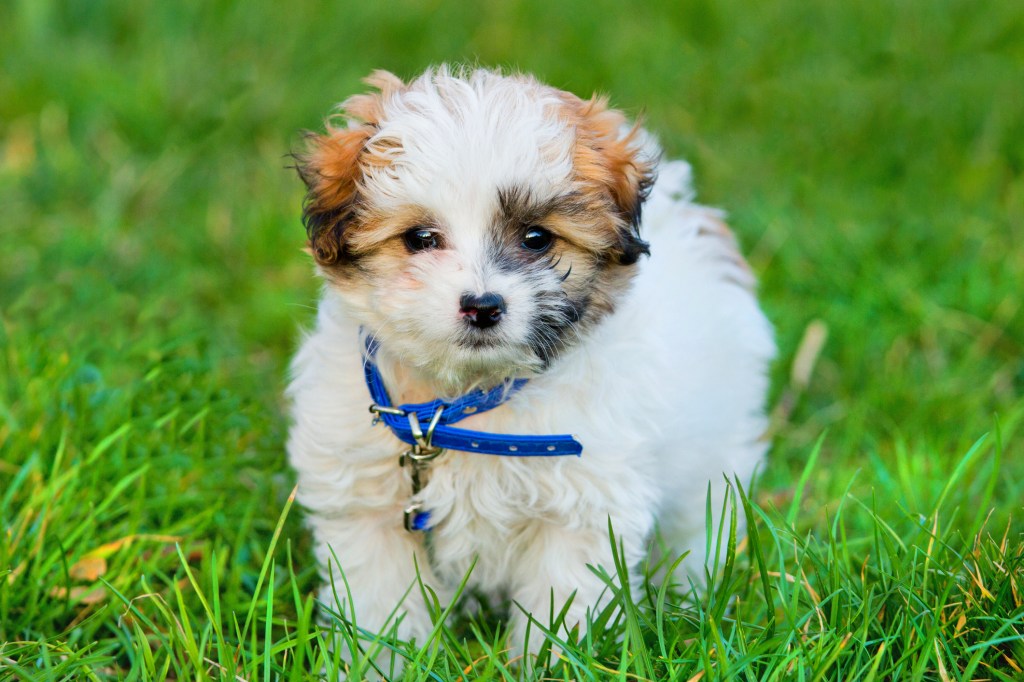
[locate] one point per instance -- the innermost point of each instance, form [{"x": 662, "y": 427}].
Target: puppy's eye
[
  {"x": 537, "y": 239},
  {"x": 421, "y": 239}
]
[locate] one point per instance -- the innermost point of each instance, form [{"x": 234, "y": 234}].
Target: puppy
[{"x": 488, "y": 272}]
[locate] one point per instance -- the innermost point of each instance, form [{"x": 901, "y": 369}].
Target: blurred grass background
[{"x": 871, "y": 157}]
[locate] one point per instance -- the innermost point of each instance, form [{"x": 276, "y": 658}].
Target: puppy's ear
[
  {"x": 332, "y": 168},
  {"x": 610, "y": 155}
]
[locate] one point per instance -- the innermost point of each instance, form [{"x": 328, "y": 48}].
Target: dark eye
[
  {"x": 420, "y": 239},
  {"x": 537, "y": 239}
]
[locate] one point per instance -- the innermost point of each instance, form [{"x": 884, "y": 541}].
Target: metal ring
[
  {"x": 424, "y": 439},
  {"x": 419, "y": 454},
  {"x": 434, "y": 422}
]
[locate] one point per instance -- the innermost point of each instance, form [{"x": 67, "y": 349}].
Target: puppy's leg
[
  {"x": 554, "y": 567},
  {"x": 375, "y": 586}
]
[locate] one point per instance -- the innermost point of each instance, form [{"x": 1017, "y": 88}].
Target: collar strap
[{"x": 451, "y": 438}]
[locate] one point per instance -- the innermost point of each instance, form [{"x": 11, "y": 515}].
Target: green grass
[{"x": 871, "y": 156}]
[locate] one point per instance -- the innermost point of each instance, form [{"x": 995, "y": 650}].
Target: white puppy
[{"x": 476, "y": 230}]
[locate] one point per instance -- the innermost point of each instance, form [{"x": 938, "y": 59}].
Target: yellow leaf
[
  {"x": 960, "y": 623},
  {"x": 89, "y": 567},
  {"x": 81, "y": 594},
  {"x": 109, "y": 548}
]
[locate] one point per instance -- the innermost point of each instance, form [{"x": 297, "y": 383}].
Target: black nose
[{"x": 482, "y": 311}]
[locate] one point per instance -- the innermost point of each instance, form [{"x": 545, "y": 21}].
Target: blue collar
[{"x": 444, "y": 413}]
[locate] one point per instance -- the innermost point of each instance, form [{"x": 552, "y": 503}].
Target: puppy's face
[{"x": 476, "y": 224}]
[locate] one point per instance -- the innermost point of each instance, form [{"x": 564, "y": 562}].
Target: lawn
[{"x": 152, "y": 288}]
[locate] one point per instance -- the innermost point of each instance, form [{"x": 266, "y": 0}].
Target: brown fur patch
[
  {"x": 599, "y": 234},
  {"x": 331, "y": 172},
  {"x": 608, "y": 162},
  {"x": 369, "y": 107},
  {"x": 331, "y": 167}
]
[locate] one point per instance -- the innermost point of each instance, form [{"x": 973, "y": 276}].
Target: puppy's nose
[{"x": 482, "y": 311}]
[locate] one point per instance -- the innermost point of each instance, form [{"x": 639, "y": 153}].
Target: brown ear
[
  {"x": 611, "y": 158},
  {"x": 331, "y": 168}
]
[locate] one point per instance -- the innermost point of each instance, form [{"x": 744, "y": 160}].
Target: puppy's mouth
[{"x": 480, "y": 340}]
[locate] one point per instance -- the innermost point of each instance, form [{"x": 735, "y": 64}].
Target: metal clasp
[
  {"x": 418, "y": 457},
  {"x": 414, "y": 520}
]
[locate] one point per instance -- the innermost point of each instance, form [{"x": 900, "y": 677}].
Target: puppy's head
[{"x": 475, "y": 223}]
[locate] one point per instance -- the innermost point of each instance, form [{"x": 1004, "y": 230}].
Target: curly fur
[{"x": 656, "y": 364}]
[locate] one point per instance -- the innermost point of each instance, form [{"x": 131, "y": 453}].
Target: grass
[{"x": 151, "y": 285}]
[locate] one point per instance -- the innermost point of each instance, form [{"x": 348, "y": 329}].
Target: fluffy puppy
[{"x": 478, "y": 228}]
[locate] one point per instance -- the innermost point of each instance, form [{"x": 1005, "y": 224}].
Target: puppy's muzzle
[{"x": 482, "y": 311}]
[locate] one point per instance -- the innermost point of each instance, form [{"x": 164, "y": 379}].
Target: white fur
[{"x": 666, "y": 394}]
